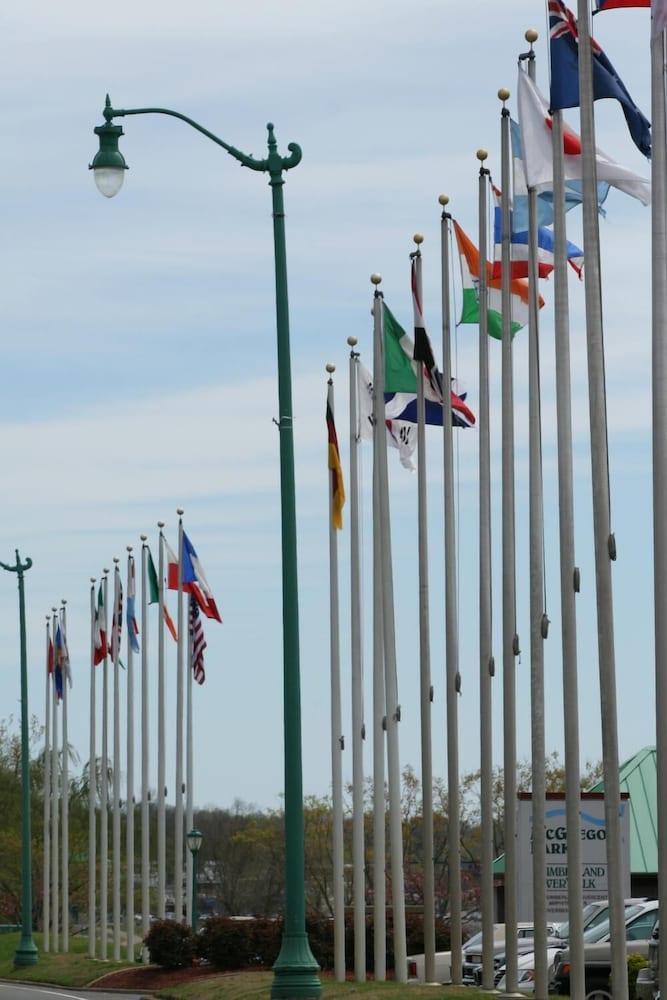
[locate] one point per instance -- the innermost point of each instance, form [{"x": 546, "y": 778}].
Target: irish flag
[{"x": 470, "y": 278}]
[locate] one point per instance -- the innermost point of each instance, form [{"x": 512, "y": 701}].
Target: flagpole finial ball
[
  {"x": 54, "y": 610},
  {"x": 352, "y": 341},
  {"x": 144, "y": 538},
  {"x": 418, "y": 239},
  {"x": 92, "y": 579},
  {"x": 63, "y": 601},
  {"x": 330, "y": 368},
  {"x": 180, "y": 511},
  {"x": 443, "y": 200},
  {"x": 105, "y": 570},
  {"x": 482, "y": 154},
  {"x": 129, "y": 548},
  {"x": 503, "y": 94},
  {"x": 160, "y": 525},
  {"x": 531, "y": 36},
  {"x": 376, "y": 278},
  {"x": 116, "y": 560}
]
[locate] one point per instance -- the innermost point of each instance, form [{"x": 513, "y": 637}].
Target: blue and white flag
[{"x": 131, "y": 615}]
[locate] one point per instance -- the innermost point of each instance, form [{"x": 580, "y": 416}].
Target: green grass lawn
[
  {"x": 253, "y": 985},
  {"x": 73, "y": 969}
]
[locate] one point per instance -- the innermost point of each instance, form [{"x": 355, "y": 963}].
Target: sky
[{"x": 139, "y": 358}]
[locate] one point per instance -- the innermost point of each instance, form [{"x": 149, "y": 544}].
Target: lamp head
[
  {"x": 109, "y": 164},
  {"x": 194, "y": 839}
]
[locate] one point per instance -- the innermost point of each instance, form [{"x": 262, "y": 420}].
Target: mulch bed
[{"x": 152, "y": 977}]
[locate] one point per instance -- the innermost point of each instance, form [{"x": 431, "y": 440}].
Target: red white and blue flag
[
  {"x": 193, "y": 579},
  {"x": 613, "y": 4},
  {"x": 658, "y": 10},
  {"x": 519, "y": 247},
  {"x": 197, "y": 642},
  {"x": 61, "y": 661},
  {"x": 606, "y": 81},
  {"x": 117, "y": 623}
]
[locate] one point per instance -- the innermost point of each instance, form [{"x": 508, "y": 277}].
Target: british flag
[{"x": 197, "y": 642}]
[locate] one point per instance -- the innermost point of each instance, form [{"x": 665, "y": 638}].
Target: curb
[{"x": 88, "y": 989}]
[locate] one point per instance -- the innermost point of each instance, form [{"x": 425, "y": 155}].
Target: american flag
[{"x": 198, "y": 642}]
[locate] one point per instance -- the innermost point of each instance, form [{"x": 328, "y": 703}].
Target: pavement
[{"x": 19, "y": 991}]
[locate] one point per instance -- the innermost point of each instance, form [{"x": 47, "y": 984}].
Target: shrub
[
  {"x": 170, "y": 944},
  {"x": 236, "y": 944}
]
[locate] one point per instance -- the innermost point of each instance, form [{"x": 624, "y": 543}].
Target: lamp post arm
[
  {"x": 20, "y": 567},
  {"x": 274, "y": 162}
]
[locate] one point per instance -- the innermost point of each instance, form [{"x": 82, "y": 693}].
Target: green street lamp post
[
  {"x": 26, "y": 953},
  {"x": 295, "y": 970},
  {"x": 194, "y": 839}
]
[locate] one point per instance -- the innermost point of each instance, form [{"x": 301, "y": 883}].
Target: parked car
[
  {"x": 527, "y": 971},
  {"x": 443, "y": 959},
  {"x": 593, "y": 914},
  {"x": 472, "y": 961},
  {"x": 640, "y": 922}
]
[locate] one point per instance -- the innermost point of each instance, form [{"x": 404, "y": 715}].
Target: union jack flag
[
  {"x": 197, "y": 642},
  {"x": 562, "y": 22}
]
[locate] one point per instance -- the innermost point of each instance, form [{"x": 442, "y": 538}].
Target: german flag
[{"x": 336, "y": 469}]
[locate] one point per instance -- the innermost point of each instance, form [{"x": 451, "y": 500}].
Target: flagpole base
[{"x": 295, "y": 972}]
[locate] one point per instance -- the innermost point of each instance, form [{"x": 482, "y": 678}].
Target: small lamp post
[
  {"x": 194, "y": 839},
  {"x": 26, "y": 953}
]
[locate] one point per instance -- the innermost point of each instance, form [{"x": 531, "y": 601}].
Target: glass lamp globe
[
  {"x": 194, "y": 839},
  {"x": 109, "y": 180}
]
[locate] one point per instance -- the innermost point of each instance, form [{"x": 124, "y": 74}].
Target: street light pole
[
  {"x": 26, "y": 953},
  {"x": 194, "y": 839},
  {"x": 295, "y": 970}
]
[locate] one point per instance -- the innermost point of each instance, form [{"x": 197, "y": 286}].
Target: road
[{"x": 17, "y": 991}]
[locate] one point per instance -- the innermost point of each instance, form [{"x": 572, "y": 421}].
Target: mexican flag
[
  {"x": 101, "y": 648},
  {"x": 469, "y": 255},
  {"x": 154, "y": 596}
]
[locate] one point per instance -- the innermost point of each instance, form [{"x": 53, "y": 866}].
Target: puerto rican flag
[{"x": 193, "y": 578}]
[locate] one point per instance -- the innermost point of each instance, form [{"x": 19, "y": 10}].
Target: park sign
[{"x": 593, "y": 835}]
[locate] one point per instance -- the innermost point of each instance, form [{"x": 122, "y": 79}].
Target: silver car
[{"x": 639, "y": 924}]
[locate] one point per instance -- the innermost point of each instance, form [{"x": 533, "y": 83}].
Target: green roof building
[{"x": 638, "y": 779}]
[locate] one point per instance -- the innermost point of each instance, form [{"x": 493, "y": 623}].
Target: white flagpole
[
  {"x": 92, "y": 787},
  {"x": 189, "y": 778},
  {"x": 393, "y": 709},
  {"x": 358, "y": 853},
  {"x": 336, "y": 726},
  {"x": 486, "y": 663},
  {"x": 65, "y": 793},
  {"x": 425, "y": 688},
  {"x": 145, "y": 745},
  {"x": 538, "y": 619},
  {"x": 46, "y": 906},
  {"x": 659, "y": 380},
  {"x": 604, "y": 540},
  {"x": 510, "y": 638},
  {"x": 116, "y": 839},
  {"x": 161, "y": 740},
  {"x": 568, "y": 571},
  {"x": 379, "y": 723},
  {"x": 55, "y": 804},
  {"x": 104, "y": 788},
  {"x": 129, "y": 813},
  {"x": 451, "y": 619},
  {"x": 180, "y": 668}
]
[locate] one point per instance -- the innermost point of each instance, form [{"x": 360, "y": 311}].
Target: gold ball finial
[
  {"x": 105, "y": 570},
  {"x": 352, "y": 341},
  {"x": 129, "y": 548},
  {"x": 531, "y": 36},
  {"x": 180, "y": 511},
  {"x": 144, "y": 538},
  {"x": 503, "y": 94},
  {"x": 376, "y": 278},
  {"x": 482, "y": 154},
  {"x": 116, "y": 560},
  {"x": 443, "y": 199},
  {"x": 160, "y": 525},
  {"x": 54, "y": 610},
  {"x": 418, "y": 239},
  {"x": 331, "y": 368}
]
